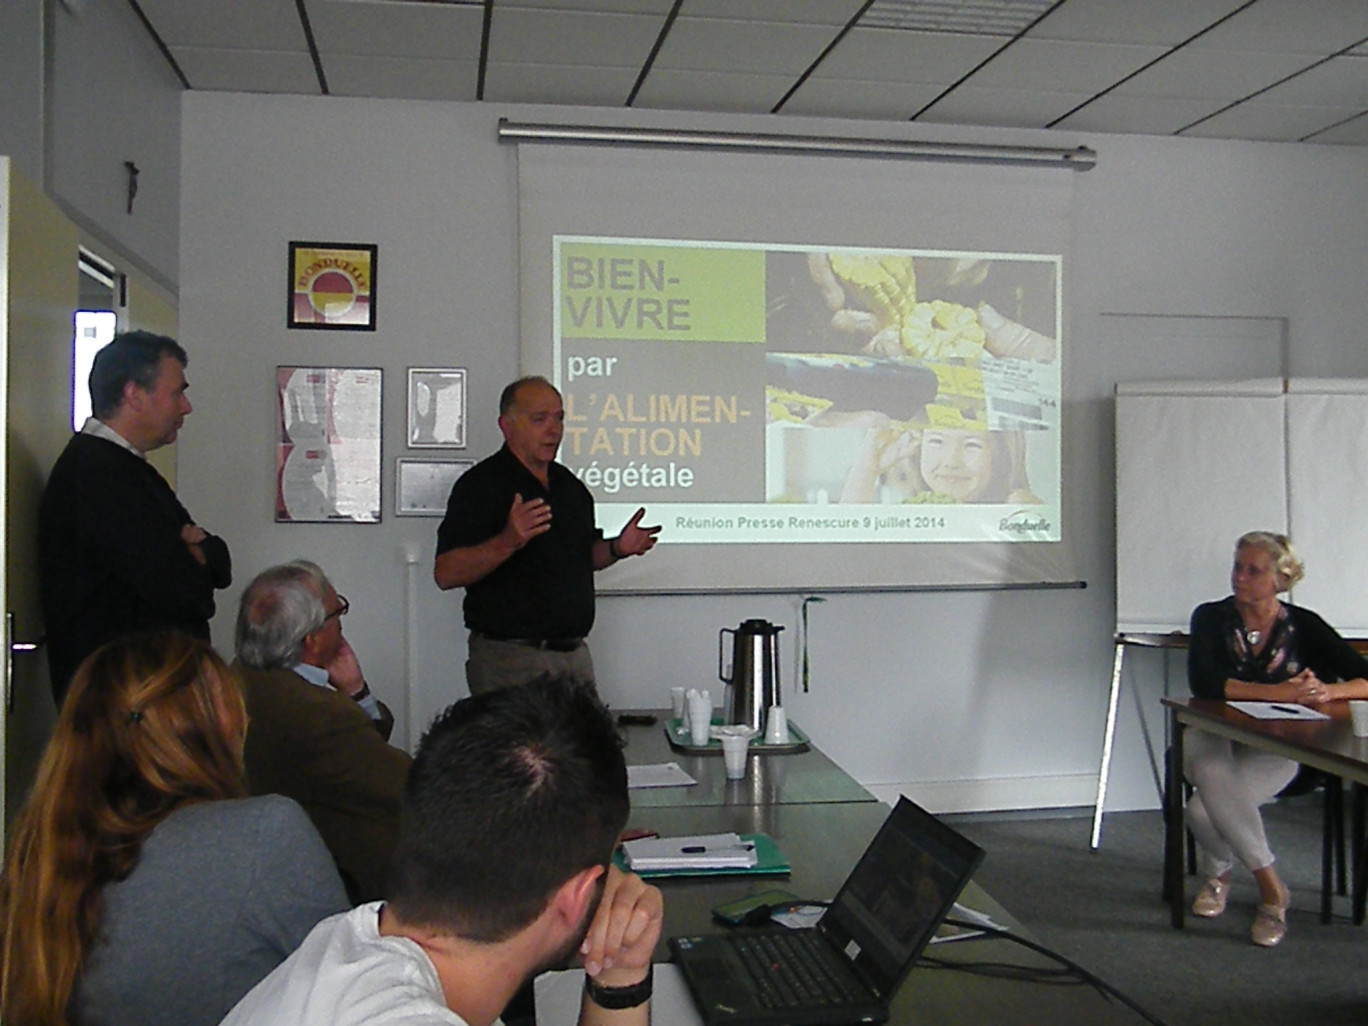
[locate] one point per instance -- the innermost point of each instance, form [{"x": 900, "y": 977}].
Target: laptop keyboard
[{"x": 788, "y": 973}]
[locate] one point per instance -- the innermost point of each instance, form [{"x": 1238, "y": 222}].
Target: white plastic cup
[
  {"x": 734, "y": 750},
  {"x": 1358, "y": 711},
  {"x": 700, "y": 716},
  {"x": 677, "y": 703},
  {"x": 776, "y": 726}
]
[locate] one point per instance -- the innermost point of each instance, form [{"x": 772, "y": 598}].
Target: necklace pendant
[{"x": 1253, "y": 638}]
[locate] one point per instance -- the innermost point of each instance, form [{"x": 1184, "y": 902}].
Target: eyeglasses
[{"x": 343, "y": 608}]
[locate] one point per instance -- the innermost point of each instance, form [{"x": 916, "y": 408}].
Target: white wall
[
  {"x": 81, "y": 94},
  {"x": 964, "y": 700},
  {"x": 21, "y": 77}
]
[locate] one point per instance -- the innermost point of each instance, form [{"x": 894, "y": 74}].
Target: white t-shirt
[{"x": 346, "y": 973}]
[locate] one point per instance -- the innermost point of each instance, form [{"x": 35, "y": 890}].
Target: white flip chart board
[{"x": 1197, "y": 465}]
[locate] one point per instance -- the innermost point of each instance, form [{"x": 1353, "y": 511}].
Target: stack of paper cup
[{"x": 699, "y": 704}]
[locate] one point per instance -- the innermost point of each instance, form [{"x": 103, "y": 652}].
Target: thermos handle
[{"x": 724, "y": 630}]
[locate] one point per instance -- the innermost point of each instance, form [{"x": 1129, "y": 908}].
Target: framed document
[
  {"x": 332, "y": 285},
  {"x": 421, "y": 487},
  {"x": 436, "y": 408},
  {"x": 328, "y": 445}
]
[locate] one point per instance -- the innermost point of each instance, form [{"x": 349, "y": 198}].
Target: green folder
[{"x": 769, "y": 861}]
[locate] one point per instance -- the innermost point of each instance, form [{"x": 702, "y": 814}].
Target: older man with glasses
[{"x": 316, "y": 733}]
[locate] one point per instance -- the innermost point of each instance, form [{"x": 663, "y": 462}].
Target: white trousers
[{"x": 1231, "y": 781}]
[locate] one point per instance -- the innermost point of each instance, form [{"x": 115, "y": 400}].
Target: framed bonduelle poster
[
  {"x": 328, "y": 444},
  {"x": 332, "y": 286}
]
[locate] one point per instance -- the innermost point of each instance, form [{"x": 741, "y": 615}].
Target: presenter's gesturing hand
[
  {"x": 526, "y": 520},
  {"x": 635, "y": 539}
]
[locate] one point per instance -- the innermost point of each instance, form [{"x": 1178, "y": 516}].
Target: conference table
[
  {"x": 1326, "y": 745},
  {"x": 822, "y": 819}
]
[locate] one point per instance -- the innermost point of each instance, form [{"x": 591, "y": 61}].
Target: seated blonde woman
[
  {"x": 1253, "y": 647},
  {"x": 140, "y": 885}
]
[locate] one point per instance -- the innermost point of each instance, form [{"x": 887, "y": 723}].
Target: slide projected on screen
[{"x": 750, "y": 393}]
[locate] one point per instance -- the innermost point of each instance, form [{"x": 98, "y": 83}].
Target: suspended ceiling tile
[
  {"x": 1062, "y": 67},
  {"x": 1166, "y": 22},
  {"x": 894, "y": 55},
  {"x": 842, "y": 98},
  {"x": 402, "y": 79},
  {"x": 1224, "y": 75},
  {"x": 588, "y": 38},
  {"x": 1292, "y": 26},
  {"x": 1021, "y": 108},
  {"x": 656, "y": 7},
  {"x": 1351, "y": 133},
  {"x": 442, "y": 31},
  {"x": 254, "y": 25},
  {"x": 703, "y": 90},
  {"x": 558, "y": 83},
  {"x": 804, "y": 12},
  {"x": 1342, "y": 81},
  {"x": 251, "y": 71},
  {"x": 756, "y": 48},
  {"x": 1140, "y": 115},
  {"x": 1268, "y": 121}
]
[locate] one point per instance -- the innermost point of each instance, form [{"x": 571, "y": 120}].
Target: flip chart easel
[{"x": 1124, "y": 640}]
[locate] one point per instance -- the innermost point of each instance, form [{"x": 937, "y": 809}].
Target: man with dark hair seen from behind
[
  {"x": 511, "y": 812},
  {"x": 118, "y": 553},
  {"x": 317, "y": 734},
  {"x": 519, "y": 536}
]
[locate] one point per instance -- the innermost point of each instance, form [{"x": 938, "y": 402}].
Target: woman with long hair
[{"x": 141, "y": 885}]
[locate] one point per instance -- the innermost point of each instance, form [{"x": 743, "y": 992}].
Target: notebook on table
[{"x": 846, "y": 969}]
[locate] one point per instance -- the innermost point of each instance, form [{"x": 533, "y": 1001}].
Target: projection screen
[{"x": 813, "y": 372}]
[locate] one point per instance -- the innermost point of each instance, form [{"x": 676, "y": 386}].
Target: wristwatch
[{"x": 615, "y": 999}]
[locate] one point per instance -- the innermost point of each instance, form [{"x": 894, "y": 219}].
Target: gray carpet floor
[{"x": 1103, "y": 909}]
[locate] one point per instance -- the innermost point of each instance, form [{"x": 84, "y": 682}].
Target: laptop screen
[{"x": 898, "y": 894}]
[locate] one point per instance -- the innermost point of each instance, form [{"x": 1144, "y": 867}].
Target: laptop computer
[{"x": 847, "y": 968}]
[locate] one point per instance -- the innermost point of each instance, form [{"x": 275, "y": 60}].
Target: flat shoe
[
  {"x": 1270, "y": 926},
  {"x": 1211, "y": 899}
]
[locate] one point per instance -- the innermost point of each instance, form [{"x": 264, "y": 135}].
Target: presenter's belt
[{"x": 545, "y": 644}]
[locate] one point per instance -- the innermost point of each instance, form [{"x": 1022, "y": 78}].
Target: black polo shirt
[{"x": 546, "y": 588}]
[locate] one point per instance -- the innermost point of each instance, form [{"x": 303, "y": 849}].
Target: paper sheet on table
[
  {"x": 1278, "y": 711},
  {"x": 660, "y": 774},
  {"x": 558, "y": 998},
  {"x": 693, "y": 851}
]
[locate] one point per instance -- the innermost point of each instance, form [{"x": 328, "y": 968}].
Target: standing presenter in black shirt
[{"x": 519, "y": 536}]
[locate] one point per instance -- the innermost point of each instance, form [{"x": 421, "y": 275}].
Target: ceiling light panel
[{"x": 984, "y": 17}]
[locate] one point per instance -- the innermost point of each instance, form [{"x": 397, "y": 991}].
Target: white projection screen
[{"x": 814, "y": 372}]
